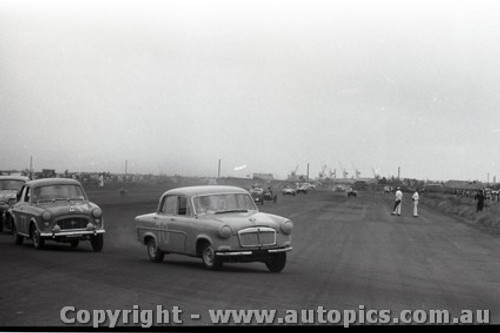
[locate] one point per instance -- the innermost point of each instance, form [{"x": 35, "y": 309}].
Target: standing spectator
[
  {"x": 480, "y": 200},
  {"x": 415, "y": 197},
  {"x": 398, "y": 202},
  {"x": 101, "y": 181}
]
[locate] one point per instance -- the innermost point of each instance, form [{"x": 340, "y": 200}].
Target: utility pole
[
  {"x": 31, "y": 167},
  {"x": 308, "y": 172},
  {"x": 218, "y": 170},
  {"x": 123, "y": 191},
  {"x": 399, "y": 172}
]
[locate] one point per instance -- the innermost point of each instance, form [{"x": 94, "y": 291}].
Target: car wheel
[
  {"x": 38, "y": 241},
  {"x": 18, "y": 239},
  {"x": 97, "y": 242},
  {"x": 210, "y": 260},
  {"x": 74, "y": 243},
  {"x": 154, "y": 254},
  {"x": 276, "y": 262}
]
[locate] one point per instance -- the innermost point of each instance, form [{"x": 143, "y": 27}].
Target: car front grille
[
  {"x": 73, "y": 223},
  {"x": 257, "y": 236}
]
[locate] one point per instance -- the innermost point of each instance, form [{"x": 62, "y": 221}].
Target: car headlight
[
  {"x": 46, "y": 216},
  {"x": 287, "y": 227},
  {"x": 225, "y": 231},
  {"x": 96, "y": 212}
]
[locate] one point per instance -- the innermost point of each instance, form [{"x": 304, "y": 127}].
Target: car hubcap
[
  {"x": 209, "y": 256},
  {"x": 152, "y": 249}
]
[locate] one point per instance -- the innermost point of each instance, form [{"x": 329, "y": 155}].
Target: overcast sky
[{"x": 174, "y": 86}]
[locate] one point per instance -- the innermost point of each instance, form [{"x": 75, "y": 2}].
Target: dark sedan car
[{"x": 56, "y": 209}]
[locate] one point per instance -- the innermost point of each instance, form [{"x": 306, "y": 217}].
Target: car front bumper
[
  {"x": 251, "y": 255},
  {"x": 75, "y": 234}
]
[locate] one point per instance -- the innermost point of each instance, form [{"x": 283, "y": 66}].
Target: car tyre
[
  {"x": 38, "y": 241},
  {"x": 210, "y": 260},
  {"x": 154, "y": 254},
  {"x": 97, "y": 242},
  {"x": 74, "y": 243},
  {"x": 276, "y": 262},
  {"x": 18, "y": 239}
]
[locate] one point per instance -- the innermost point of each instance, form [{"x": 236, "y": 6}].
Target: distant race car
[
  {"x": 288, "y": 190},
  {"x": 303, "y": 188},
  {"x": 257, "y": 193},
  {"x": 270, "y": 196},
  {"x": 352, "y": 193}
]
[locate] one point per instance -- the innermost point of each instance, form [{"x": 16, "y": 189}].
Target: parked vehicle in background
[
  {"x": 217, "y": 224},
  {"x": 56, "y": 209},
  {"x": 9, "y": 186}
]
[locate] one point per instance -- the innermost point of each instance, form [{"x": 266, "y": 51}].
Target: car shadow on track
[
  {"x": 56, "y": 247},
  {"x": 226, "y": 268}
]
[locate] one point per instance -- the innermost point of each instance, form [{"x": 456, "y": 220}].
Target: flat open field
[{"x": 347, "y": 252}]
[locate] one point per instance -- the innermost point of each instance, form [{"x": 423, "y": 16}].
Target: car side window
[
  {"x": 183, "y": 206},
  {"x": 27, "y": 194},
  {"x": 169, "y": 205},
  {"x": 19, "y": 195}
]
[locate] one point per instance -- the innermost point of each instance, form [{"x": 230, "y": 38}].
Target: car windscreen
[
  {"x": 58, "y": 192},
  {"x": 10, "y": 184},
  {"x": 223, "y": 203}
]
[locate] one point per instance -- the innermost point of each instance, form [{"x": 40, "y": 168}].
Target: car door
[{"x": 172, "y": 218}]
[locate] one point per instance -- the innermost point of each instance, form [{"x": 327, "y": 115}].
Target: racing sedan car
[
  {"x": 217, "y": 224},
  {"x": 56, "y": 209},
  {"x": 9, "y": 185}
]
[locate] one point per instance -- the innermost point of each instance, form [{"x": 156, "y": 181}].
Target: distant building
[
  {"x": 462, "y": 185},
  {"x": 263, "y": 176},
  {"x": 48, "y": 173}
]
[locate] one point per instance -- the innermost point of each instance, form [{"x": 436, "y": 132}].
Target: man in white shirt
[
  {"x": 397, "y": 203},
  {"x": 415, "y": 198}
]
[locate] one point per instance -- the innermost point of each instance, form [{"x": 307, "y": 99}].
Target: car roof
[
  {"x": 14, "y": 178},
  {"x": 53, "y": 181},
  {"x": 192, "y": 191}
]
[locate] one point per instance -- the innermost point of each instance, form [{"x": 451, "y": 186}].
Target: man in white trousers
[
  {"x": 415, "y": 198},
  {"x": 397, "y": 203}
]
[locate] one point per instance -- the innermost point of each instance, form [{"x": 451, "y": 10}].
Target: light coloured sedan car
[{"x": 217, "y": 224}]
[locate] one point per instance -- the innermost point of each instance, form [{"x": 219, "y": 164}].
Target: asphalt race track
[{"x": 347, "y": 252}]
